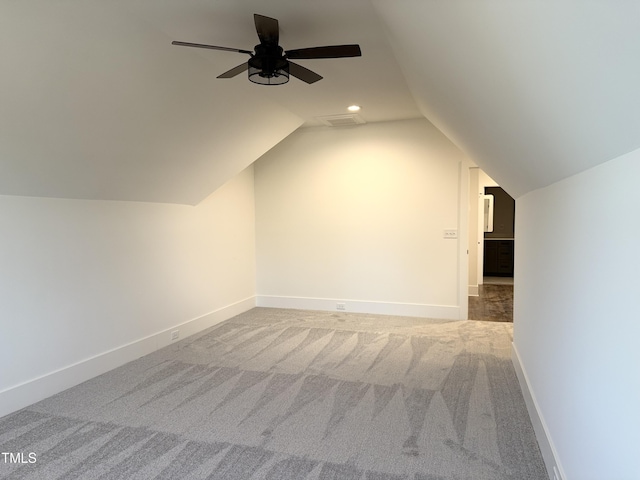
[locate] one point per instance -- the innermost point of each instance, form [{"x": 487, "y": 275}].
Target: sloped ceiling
[
  {"x": 533, "y": 90},
  {"x": 96, "y": 103}
]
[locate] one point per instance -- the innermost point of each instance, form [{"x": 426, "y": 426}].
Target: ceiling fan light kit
[
  {"x": 269, "y": 63},
  {"x": 278, "y": 76},
  {"x": 268, "y": 66}
]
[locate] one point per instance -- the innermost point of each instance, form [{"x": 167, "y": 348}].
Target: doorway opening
[{"x": 491, "y": 249}]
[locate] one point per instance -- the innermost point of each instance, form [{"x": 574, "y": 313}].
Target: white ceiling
[
  {"x": 533, "y": 90},
  {"x": 96, "y": 103}
]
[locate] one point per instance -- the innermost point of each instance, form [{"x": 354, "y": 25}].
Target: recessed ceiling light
[{"x": 353, "y": 108}]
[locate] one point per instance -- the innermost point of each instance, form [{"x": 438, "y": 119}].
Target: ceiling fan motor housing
[{"x": 268, "y": 66}]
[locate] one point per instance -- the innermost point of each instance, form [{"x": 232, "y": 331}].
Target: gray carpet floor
[{"x": 286, "y": 394}]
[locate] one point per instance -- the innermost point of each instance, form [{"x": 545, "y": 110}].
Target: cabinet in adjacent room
[
  {"x": 498, "y": 243},
  {"x": 498, "y": 257}
]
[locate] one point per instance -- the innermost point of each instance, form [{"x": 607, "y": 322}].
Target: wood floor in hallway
[{"x": 494, "y": 303}]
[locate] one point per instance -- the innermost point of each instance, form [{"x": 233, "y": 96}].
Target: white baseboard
[
  {"x": 360, "y": 306},
  {"x": 549, "y": 453},
  {"x": 27, "y": 393}
]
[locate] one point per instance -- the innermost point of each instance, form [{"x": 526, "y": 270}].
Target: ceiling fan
[{"x": 269, "y": 63}]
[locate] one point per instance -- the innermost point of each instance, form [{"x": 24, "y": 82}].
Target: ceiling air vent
[{"x": 345, "y": 120}]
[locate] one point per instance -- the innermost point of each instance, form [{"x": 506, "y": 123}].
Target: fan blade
[
  {"x": 332, "y": 51},
  {"x": 303, "y": 73},
  {"x": 212, "y": 47},
  {"x": 267, "y": 29},
  {"x": 235, "y": 71}
]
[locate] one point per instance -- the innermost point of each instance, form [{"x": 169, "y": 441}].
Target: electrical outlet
[
  {"x": 175, "y": 335},
  {"x": 451, "y": 233},
  {"x": 341, "y": 306}
]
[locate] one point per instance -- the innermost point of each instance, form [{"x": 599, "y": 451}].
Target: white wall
[
  {"x": 80, "y": 278},
  {"x": 576, "y": 325},
  {"x": 474, "y": 229},
  {"x": 357, "y": 215}
]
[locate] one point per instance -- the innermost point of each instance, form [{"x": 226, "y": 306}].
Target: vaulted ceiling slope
[
  {"x": 533, "y": 91},
  {"x": 96, "y": 103}
]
